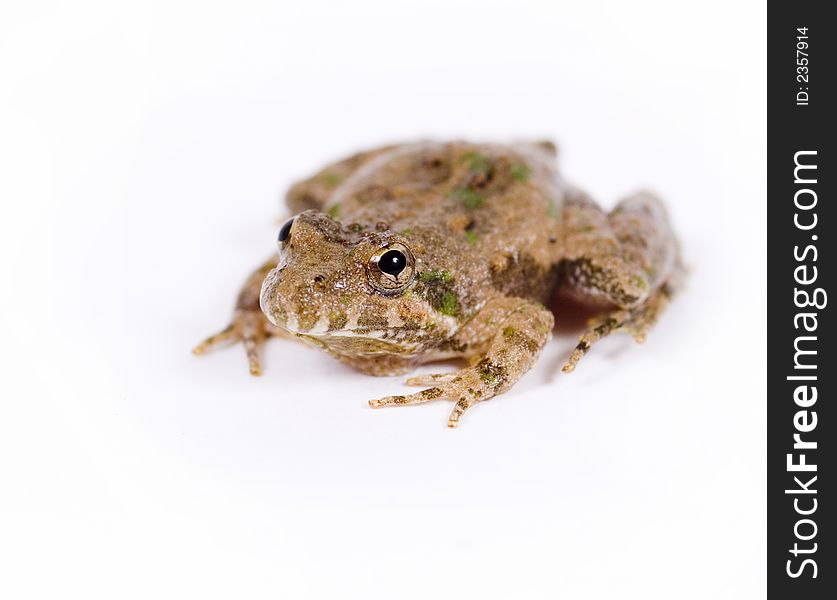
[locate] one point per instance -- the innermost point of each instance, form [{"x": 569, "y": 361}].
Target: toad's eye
[
  {"x": 391, "y": 269},
  {"x": 285, "y": 232},
  {"x": 392, "y": 262}
]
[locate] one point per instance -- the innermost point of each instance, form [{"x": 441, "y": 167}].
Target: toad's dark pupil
[
  {"x": 285, "y": 232},
  {"x": 392, "y": 262}
]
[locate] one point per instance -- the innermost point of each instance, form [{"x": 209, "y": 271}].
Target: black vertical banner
[{"x": 801, "y": 558}]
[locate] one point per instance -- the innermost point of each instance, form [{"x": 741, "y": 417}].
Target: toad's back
[{"x": 489, "y": 213}]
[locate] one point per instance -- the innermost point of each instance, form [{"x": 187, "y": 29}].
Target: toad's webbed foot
[
  {"x": 629, "y": 258},
  {"x": 510, "y": 333}
]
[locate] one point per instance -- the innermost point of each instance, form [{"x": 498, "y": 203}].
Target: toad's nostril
[{"x": 319, "y": 278}]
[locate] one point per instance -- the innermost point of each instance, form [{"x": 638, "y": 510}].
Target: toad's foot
[
  {"x": 510, "y": 332},
  {"x": 248, "y": 327},
  {"x": 636, "y": 322},
  {"x": 465, "y": 388}
]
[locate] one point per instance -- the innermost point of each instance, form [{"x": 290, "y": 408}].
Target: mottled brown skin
[{"x": 488, "y": 234}]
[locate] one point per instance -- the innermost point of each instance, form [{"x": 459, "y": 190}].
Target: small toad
[{"x": 423, "y": 252}]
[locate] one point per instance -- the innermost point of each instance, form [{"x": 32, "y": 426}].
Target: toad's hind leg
[
  {"x": 636, "y": 321},
  {"x": 628, "y": 258}
]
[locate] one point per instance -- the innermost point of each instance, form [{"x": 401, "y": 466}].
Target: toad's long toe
[
  {"x": 435, "y": 379},
  {"x": 228, "y": 335},
  {"x": 417, "y": 398}
]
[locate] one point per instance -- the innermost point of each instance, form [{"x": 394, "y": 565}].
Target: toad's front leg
[{"x": 503, "y": 341}]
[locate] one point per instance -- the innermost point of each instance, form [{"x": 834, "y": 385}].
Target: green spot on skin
[
  {"x": 490, "y": 373},
  {"x": 471, "y": 237},
  {"x": 331, "y": 179},
  {"x": 407, "y": 232},
  {"x": 449, "y": 305},
  {"x": 509, "y": 332},
  {"x": 553, "y": 209},
  {"x": 520, "y": 172},
  {"x": 333, "y": 211},
  {"x": 469, "y": 198},
  {"x": 476, "y": 162},
  {"x": 639, "y": 282},
  {"x": 435, "y": 276},
  {"x": 586, "y": 229},
  {"x": 345, "y": 299}
]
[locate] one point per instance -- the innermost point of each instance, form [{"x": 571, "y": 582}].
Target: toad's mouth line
[
  {"x": 356, "y": 332},
  {"x": 394, "y": 336}
]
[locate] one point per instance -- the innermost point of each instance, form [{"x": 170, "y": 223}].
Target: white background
[{"x": 145, "y": 148}]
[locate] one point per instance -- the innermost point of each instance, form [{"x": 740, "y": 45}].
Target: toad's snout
[
  {"x": 273, "y": 301},
  {"x": 290, "y": 303}
]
